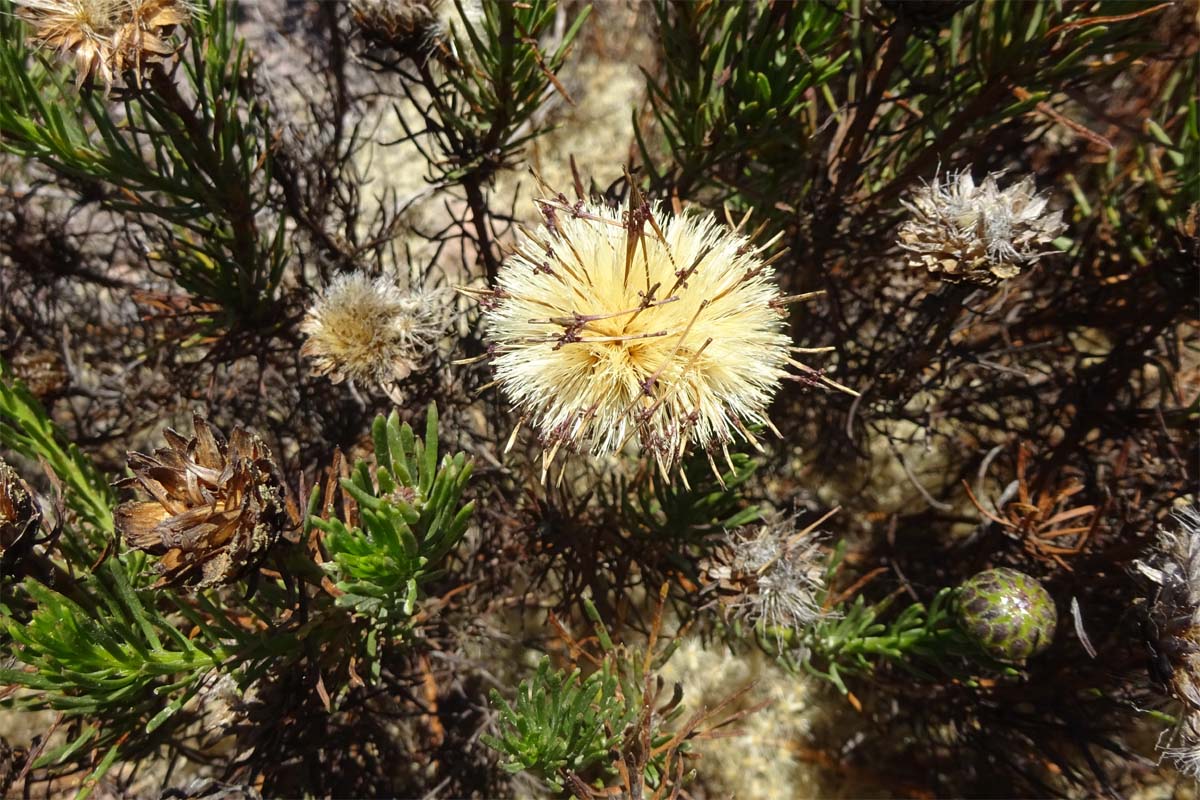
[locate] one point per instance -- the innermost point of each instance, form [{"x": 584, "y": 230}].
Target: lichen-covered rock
[{"x": 1009, "y": 614}]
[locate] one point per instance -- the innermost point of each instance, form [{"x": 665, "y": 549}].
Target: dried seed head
[
  {"x": 612, "y": 325},
  {"x": 773, "y": 575},
  {"x": 20, "y": 520},
  {"x": 1174, "y": 624},
  {"x": 216, "y": 507},
  {"x": 373, "y": 332},
  {"x": 1175, "y": 571},
  {"x": 1175, "y": 567},
  {"x": 106, "y": 38},
  {"x": 409, "y": 27},
  {"x": 1184, "y": 745},
  {"x": 979, "y": 234}
]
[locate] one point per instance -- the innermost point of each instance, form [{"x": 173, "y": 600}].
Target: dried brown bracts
[{"x": 216, "y": 507}]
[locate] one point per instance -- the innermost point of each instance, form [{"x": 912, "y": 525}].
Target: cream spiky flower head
[
  {"x": 979, "y": 234},
  {"x": 370, "y": 331},
  {"x": 612, "y": 325},
  {"x": 106, "y": 38}
]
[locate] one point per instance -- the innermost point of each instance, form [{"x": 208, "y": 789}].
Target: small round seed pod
[{"x": 1009, "y": 614}]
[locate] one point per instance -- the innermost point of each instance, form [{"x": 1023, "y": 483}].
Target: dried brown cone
[
  {"x": 409, "y": 27},
  {"x": 20, "y": 520},
  {"x": 106, "y": 38},
  {"x": 216, "y": 507}
]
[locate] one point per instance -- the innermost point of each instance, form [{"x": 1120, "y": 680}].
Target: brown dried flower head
[
  {"x": 773, "y": 575},
  {"x": 20, "y": 520},
  {"x": 1174, "y": 618},
  {"x": 408, "y": 27},
  {"x": 106, "y": 38},
  {"x": 216, "y": 508},
  {"x": 979, "y": 234}
]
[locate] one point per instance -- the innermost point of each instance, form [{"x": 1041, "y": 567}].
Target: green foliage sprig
[
  {"x": 860, "y": 636},
  {"x": 732, "y": 74},
  {"x": 1150, "y": 188},
  {"x": 561, "y": 721},
  {"x": 684, "y": 512},
  {"x": 874, "y": 103},
  {"x": 411, "y": 518},
  {"x": 480, "y": 110},
  {"x": 611, "y": 730},
  {"x": 856, "y": 637},
  {"x": 26, "y": 428},
  {"x": 89, "y": 643},
  {"x": 192, "y": 171},
  {"x": 503, "y": 83}
]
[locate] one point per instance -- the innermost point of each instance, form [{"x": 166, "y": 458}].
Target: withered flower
[
  {"x": 1173, "y": 622},
  {"x": 20, "y": 520},
  {"x": 774, "y": 575},
  {"x": 372, "y": 332},
  {"x": 216, "y": 507},
  {"x": 106, "y": 38},
  {"x": 410, "y": 27},
  {"x": 981, "y": 234}
]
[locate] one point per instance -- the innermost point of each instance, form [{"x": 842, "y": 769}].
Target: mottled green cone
[{"x": 1009, "y": 614}]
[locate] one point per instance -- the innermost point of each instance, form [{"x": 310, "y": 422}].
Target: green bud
[{"x": 1009, "y": 614}]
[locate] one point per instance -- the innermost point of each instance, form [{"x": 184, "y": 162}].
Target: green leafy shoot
[
  {"x": 192, "y": 172},
  {"x": 685, "y": 512},
  {"x": 856, "y": 637},
  {"x": 613, "y": 732},
  {"x": 26, "y": 428},
  {"x": 561, "y": 722},
  {"x": 505, "y": 81},
  {"x": 411, "y": 517}
]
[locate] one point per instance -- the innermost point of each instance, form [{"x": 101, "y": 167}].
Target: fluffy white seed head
[
  {"x": 979, "y": 234},
  {"x": 610, "y": 326},
  {"x": 370, "y": 331}
]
